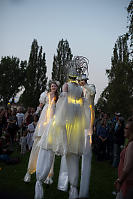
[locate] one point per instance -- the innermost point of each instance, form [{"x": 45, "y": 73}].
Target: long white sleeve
[
  {"x": 42, "y": 98},
  {"x": 90, "y": 88}
]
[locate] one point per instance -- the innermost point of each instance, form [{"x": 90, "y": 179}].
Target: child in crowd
[
  {"x": 31, "y": 129},
  {"x": 23, "y": 142}
]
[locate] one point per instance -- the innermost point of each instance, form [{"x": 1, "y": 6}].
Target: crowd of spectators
[
  {"x": 108, "y": 137},
  {"x": 16, "y": 129}
]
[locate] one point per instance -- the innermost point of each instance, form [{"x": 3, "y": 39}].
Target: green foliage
[
  {"x": 36, "y": 80},
  {"x": 130, "y": 17},
  {"x": 59, "y": 71},
  {"x": 12, "y": 73},
  {"x": 118, "y": 95}
]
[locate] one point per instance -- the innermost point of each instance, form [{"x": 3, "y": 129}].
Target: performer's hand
[
  {"x": 90, "y": 132},
  {"x": 40, "y": 105}
]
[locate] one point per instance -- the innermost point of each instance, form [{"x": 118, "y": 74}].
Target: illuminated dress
[
  {"x": 89, "y": 92},
  {"x": 42, "y": 125},
  {"x": 65, "y": 135},
  {"x": 66, "y": 132}
]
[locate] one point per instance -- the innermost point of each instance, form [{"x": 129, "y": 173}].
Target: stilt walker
[
  {"x": 89, "y": 93},
  {"x": 49, "y": 101},
  {"x": 65, "y": 135}
]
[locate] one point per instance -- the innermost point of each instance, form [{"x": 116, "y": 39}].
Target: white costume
[
  {"x": 43, "y": 123},
  {"x": 89, "y": 93},
  {"x": 65, "y": 135}
]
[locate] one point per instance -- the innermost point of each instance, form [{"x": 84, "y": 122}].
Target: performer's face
[
  {"x": 53, "y": 87},
  {"x": 82, "y": 82}
]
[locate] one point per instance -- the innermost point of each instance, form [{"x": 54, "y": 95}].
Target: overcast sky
[{"x": 90, "y": 26}]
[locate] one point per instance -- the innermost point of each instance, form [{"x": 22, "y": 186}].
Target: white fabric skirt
[{"x": 65, "y": 132}]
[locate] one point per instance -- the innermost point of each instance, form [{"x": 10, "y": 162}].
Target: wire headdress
[{"x": 78, "y": 66}]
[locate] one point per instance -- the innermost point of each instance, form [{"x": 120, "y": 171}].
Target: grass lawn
[{"x": 12, "y": 185}]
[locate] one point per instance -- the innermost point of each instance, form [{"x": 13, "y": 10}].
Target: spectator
[
  {"x": 110, "y": 141},
  {"x": 28, "y": 117},
  {"x": 8, "y": 113},
  {"x": 102, "y": 134},
  {"x": 32, "y": 111},
  {"x": 4, "y": 155},
  {"x": 20, "y": 122},
  {"x": 12, "y": 127},
  {"x": 6, "y": 151},
  {"x": 124, "y": 184},
  {"x": 31, "y": 129},
  {"x": 118, "y": 141},
  {"x": 95, "y": 139},
  {"x": 23, "y": 141},
  {"x": 20, "y": 117},
  {"x": 3, "y": 120}
]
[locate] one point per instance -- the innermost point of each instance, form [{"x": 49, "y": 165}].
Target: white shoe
[
  {"x": 48, "y": 180},
  {"x": 27, "y": 177},
  {"x": 73, "y": 193}
]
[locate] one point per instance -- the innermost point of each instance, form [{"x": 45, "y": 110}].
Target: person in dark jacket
[
  {"x": 102, "y": 134},
  {"x": 118, "y": 140}
]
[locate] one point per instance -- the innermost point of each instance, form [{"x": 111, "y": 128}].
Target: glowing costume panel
[
  {"x": 66, "y": 131},
  {"x": 42, "y": 126}
]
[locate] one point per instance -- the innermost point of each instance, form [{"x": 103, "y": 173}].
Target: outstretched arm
[
  {"x": 90, "y": 88},
  {"x": 65, "y": 87}
]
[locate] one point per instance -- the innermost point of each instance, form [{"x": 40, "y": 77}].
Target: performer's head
[
  {"x": 73, "y": 74},
  {"x": 72, "y": 78},
  {"x": 54, "y": 88},
  {"x": 76, "y": 67},
  {"x": 83, "y": 80}
]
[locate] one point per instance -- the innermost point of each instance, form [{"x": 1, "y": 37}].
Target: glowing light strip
[
  {"x": 48, "y": 113},
  {"x": 92, "y": 121},
  {"x": 73, "y": 81},
  {"x": 75, "y": 101},
  {"x": 90, "y": 139}
]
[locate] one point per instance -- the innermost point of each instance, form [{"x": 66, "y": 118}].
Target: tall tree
[
  {"x": 130, "y": 17},
  {"x": 118, "y": 95},
  {"x": 36, "y": 78},
  {"x": 12, "y": 73},
  {"x": 59, "y": 71}
]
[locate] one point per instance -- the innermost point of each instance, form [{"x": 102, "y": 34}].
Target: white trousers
[
  {"x": 63, "y": 175},
  {"x": 73, "y": 169},
  {"x": 85, "y": 171},
  {"x": 44, "y": 163}
]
